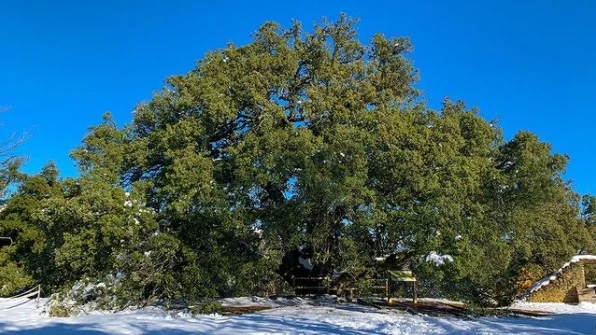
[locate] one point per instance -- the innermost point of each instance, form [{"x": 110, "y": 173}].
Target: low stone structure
[{"x": 567, "y": 285}]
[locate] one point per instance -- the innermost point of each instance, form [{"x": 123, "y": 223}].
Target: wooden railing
[
  {"x": 378, "y": 287},
  {"x": 21, "y": 298},
  {"x": 322, "y": 285},
  {"x": 311, "y": 285}
]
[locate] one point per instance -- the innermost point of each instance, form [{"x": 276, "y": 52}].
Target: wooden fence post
[
  {"x": 38, "y": 295},
  {"x": 387, "y": 290}
]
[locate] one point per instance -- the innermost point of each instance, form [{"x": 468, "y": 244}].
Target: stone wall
[{"x": 564, "y": 288}]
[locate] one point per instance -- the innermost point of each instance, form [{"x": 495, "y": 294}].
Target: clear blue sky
[{"x": 528, "y": 63}]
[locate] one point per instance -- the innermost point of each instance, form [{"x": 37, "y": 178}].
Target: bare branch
[{"x": 9, "y": 145}]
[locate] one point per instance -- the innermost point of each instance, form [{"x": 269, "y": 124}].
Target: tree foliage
[{"x": 296, "y": 141}]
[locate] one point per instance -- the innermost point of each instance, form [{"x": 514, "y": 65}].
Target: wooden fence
[{"x": 322, "y": 285}]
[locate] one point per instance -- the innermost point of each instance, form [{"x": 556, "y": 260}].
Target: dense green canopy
[{"x": 298, "y": 140}]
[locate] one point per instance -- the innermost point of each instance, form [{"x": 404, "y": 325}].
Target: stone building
[{"x": 567, "y": 285}]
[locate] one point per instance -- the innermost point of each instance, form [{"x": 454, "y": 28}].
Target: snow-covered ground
[
  {"x": 293, "y": 317},
  {"x": 582, "y": 308}
]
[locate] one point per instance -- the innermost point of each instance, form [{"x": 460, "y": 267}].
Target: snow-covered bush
[{"x": 86, "y": 295}]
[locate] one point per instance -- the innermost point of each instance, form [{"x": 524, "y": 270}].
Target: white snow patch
[
  {"x": 578, "y": 258},
  {"x": 258, "y": 231},
  {"x": 303, "y": 317},
  {"x": 439, "y": 260},
  {"x": 556, "y": 308}
]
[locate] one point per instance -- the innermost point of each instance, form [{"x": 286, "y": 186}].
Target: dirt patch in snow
[{"x": 237, "y": 310}]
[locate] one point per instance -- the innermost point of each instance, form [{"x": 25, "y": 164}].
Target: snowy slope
[{"x": 301, "y": 318}]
